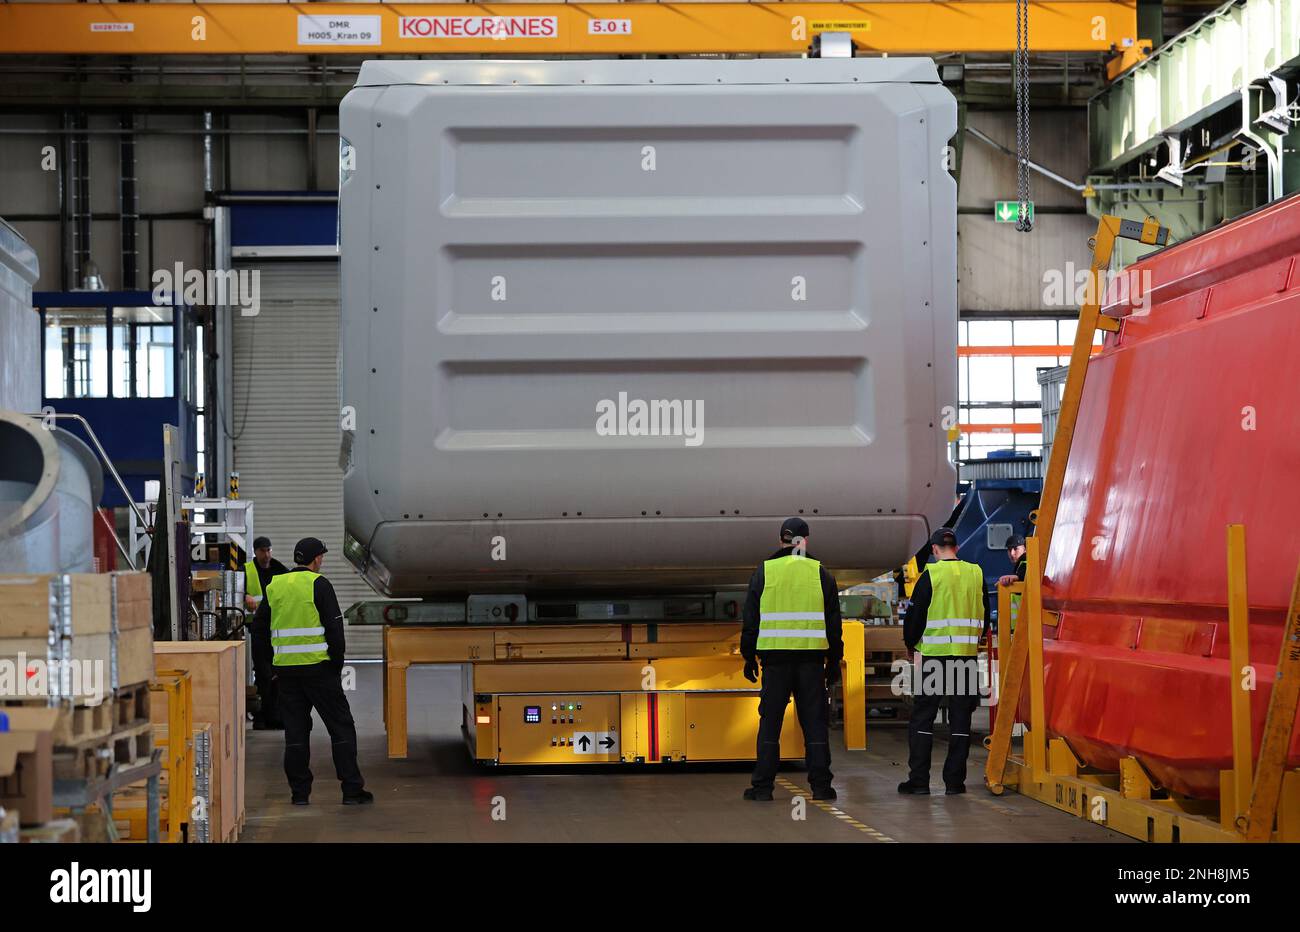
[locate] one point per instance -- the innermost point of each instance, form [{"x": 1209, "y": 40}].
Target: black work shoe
[
  {"x": 301, "y": 801},
  {"x": 908, "y": 788},
  {"x": 954, "y": 791},
  {"x": 754, "y": 793},
  {"x": 827, "y": 793},
  {"x": 359, "y": 799}
]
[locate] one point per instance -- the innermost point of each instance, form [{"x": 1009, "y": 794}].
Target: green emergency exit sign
[{"x": 1006, "y": 211}]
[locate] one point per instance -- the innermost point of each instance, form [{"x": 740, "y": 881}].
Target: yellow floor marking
[{"x": 827, "y": 807}]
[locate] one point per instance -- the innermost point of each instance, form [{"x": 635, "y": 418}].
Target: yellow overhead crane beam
[{"x": 634, "y": 28}]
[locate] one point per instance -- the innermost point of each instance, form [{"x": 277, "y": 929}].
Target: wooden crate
[
  {"x": 135, "y": 657},
  {"x": 134, "y": 600},
  {"x": 25, "y": 604},
  {"x": 25, "y": 623},
  {"x": 205, "y": 581},
  {"x": 217, "y": 677},
  {"x": 118, "y": 656},
  {"x": 93, "y": 667}
]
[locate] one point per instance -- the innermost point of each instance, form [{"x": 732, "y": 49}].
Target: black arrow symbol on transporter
[
  {"x": 584, "y": 741},
  {"x": 606, "y": 742}
]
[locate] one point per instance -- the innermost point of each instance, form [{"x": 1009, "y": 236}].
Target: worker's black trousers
[
  {"x": 806, "y": 680},
  {"x": 956, "y": 681},
  {"x": 324, "y": 693},
  {"x": 268, "y": 690}
]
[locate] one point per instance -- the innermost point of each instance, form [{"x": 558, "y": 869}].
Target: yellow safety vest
[
  {"x": 1015, "y": 600},
  {"x": 297, "y": 635},
  {"x": 252, "y": 582},
  {"x": 955, "y": 619},
  {"x": 791, "y": 611}
]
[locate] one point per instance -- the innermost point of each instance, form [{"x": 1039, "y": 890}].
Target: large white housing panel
[
  {"x": 767, "y": 245},
  {"x": 20, "y": 325}
]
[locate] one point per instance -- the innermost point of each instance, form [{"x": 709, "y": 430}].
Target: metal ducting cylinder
[{"x": 50, "y": 485}]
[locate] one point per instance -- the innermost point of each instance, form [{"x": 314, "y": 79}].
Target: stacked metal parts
[
  {"x": 199, "y": 819},
  {"x": 221, "y": 607}
]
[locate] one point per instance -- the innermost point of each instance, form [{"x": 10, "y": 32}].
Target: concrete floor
[{"x": 438, "y": 795}]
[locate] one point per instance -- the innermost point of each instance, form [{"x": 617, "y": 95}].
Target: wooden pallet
[
  {"x": 95, "y": 757},
  {"x": 84, "y": 762},
  {"x": 131, "y": 707},
  {"x": 133, "y": 745},
  {"x": 75, "y": 723},
  {"x": 78, "y": 724}
]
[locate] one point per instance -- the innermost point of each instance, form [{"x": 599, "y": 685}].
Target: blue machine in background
[
  {"x": 127, "y": 365},
  {"x": 1003, "y": 491}
]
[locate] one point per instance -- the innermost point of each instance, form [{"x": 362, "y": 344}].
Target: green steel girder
[{"x": 1195, "y": 75}]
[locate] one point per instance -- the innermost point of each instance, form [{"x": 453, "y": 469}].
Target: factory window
[
  {"x": 143, "y": 352},
  {"x": 76, "y": 353},
  {"x": 121, "y": 352},
  {"x": 997, "y": 370}
]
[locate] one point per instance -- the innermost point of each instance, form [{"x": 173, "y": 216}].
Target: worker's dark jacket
[
  {"x": 749, "y": 627},
  {"x": 266, "y": 573},
  {"x": 914, "y": 620},
  {"x": 1022, "y": 566},
  {"x": 331, "y": 619}
]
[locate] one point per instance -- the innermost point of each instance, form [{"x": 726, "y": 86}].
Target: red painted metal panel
[
  {"x": 1190, "y": 421},
  {"x": 102, "y": 540}
]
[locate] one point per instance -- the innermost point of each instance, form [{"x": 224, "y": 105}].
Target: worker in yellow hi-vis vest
[
  {"x": 258, "y": 573},
  {"x": 298, "y": 639},
  {"x": 1016, "y": 553},
  {"x": 791, "y": 622},
  {"x": 945, "y": 624}
]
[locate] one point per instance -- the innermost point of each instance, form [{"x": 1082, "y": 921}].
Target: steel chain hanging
[{"x": 1024, "y": 223}]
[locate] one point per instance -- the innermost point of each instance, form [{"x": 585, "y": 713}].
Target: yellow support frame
[
  {"x": 173, "y": 687},
  {"x": 904, "y": 27},
  {"x": 1028, "y": 639},
  {"x": 1267, "y": 791},
  {"x": 177, "y": 687}
]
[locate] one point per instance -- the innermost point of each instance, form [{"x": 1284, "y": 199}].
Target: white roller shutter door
[{"x": 285, "y": 421}]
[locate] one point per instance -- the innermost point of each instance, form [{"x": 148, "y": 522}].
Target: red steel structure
[{"x": 1189, "y": 421}]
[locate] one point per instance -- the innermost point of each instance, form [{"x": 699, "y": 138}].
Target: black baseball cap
[
  {"x": 262, "y": 542},
  {"x": 1014, "y": 541},
  {"x": 308, "y": 549},
  {"x": 792, "y": 528},
  {"x": 944, "y": 537}
]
